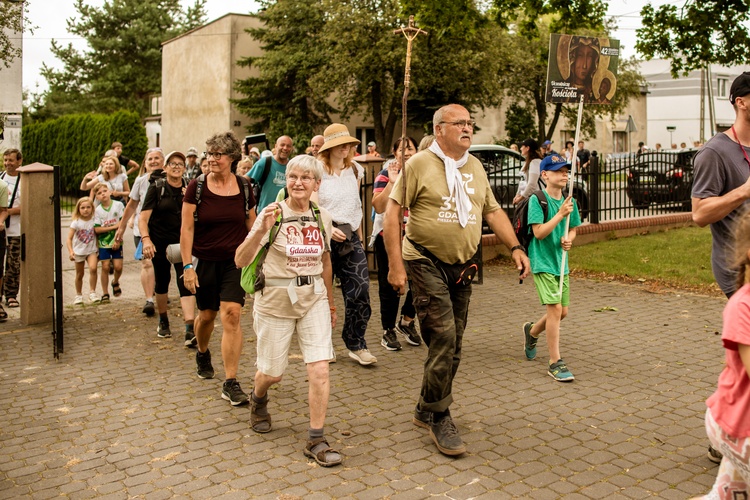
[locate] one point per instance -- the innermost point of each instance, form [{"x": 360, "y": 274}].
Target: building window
[
  {"x": 620, "y": 142},
  {"x": 155, "y": 105},
  {"x": 565, "y": 136},
  {"x": 721, "y": 86}
]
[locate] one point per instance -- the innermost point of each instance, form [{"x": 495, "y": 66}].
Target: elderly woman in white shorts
[{"x": 297, "y": 297}]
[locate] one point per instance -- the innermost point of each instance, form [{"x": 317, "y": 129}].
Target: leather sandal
[
  {"x": 116, "y": 290},
  {"x": 12, "y": 302},
  {"x": 260, "y": 423},
  {"x": 3, "y": 314},
  {"x": 319, "y": 450}
]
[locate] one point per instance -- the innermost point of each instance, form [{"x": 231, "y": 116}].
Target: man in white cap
[
  {"x": 372, "y": 149},
  {"x": 192, "y": 165}
]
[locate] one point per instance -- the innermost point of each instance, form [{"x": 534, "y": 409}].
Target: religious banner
[{"x": 582, "y": 66}]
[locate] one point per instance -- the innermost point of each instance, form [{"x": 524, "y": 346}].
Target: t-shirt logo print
[{"x": 307, "y": 243}]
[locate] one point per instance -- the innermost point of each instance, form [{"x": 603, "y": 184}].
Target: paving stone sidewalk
[{"x": 123, "y": 415}]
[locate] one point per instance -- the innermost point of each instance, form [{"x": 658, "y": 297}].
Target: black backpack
[{"x": 521, "y": 218}]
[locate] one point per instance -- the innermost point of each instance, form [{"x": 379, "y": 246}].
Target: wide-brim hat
[{"x": 336, "y": 135}]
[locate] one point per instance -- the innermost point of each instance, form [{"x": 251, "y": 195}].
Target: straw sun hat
[{"x": 335, "y": 135}]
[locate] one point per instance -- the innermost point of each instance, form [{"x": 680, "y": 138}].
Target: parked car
[
  {"x": 503, "y": 167},
  {"x": 665, "y": 177}
]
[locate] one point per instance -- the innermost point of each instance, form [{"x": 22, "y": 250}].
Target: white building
[
  {"x": 11, "y": 99},
  {"x": 674, "y": 105}
]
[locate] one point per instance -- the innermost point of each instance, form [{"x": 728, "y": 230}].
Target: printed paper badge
[{"x": 582, "y": 66}]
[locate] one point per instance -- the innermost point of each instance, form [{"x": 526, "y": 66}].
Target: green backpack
[{"x": 253, "y": 280}]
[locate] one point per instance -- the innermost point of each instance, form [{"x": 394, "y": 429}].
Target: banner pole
[{"x": 573, "y": 164}]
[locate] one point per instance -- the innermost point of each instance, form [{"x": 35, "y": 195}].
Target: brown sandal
[
  {"x": 260, "y": 423},
  {"x": 318, "y": 449}
]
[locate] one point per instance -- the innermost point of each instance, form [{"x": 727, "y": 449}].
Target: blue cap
[
  {"x": 547, "y": 143},
  {"x": 553, "y": 162}
]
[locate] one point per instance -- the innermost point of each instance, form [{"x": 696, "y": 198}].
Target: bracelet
[
  {"x": 518, "y": 247},
  {"x": 187, "y": 266},
  {"x": 144, "y": 237},
  {"x": 333, "y": 309}
]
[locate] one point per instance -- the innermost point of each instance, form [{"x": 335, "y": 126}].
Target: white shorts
[
  {"x": 83, "y": 258},
  {"x": 275, "y": 337}
]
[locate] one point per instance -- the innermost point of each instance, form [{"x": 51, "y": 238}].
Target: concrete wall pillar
[{"x": 38, "y": 243}]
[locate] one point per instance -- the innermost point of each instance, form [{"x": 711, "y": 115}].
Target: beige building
[{"x": 11, "y": 99}]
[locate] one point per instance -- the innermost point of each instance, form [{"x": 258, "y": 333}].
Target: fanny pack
[{"x": 458, "y": 274}]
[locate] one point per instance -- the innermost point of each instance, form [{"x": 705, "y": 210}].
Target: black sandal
[
  {"x": 116, "y": 290},
  {"x": 12, "y": 302},
  {"x": 3, "y": 315},
  {"x": 105, "y": 298},
  {"x": 318, "y": 449}
]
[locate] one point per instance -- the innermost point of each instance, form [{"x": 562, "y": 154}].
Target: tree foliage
[
  {"x": 523, "y": 71},
  {"x": 12, "y": 20},
  {"x": 519, "y": 124},
  {"x": 698, "y": 32},
  {"x": 78, "y": 142},
  {"x": 122, "y": 67},
  {"x": 347, "y": 49}
]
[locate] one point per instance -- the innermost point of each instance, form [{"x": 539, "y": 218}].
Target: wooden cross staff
[{"x": 410, "y": 32}]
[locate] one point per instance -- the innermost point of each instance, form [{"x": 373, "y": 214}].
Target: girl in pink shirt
[{"x": 728, "y": 414}]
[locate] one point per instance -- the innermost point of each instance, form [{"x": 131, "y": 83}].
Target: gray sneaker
[
  {"x": 409, "y": 332},
  {"x": 422, "y": 418},
  {"x": 445, "y": 435},
  {"x": 390, "y": 341}
]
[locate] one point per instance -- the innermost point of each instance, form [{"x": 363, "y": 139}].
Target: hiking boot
[
  {"x": 163, "y": 331},
  {"x": 190, "y": 340},
  {"x": 409, "y": 332},
  {"x": 363, "y": 356},
  {"x": 148, "y": 308},
  {"x": 445, "y": 435},
  {"x": 390, "y": 341},
  {"x": 233, "y": 393},
  {"x": 203, "y": 360},
  {"x": 529, "y": 341},
  {"x": 714, "y": 455},
  {"x": 559, "y": 371},
  {"x": 422, "y": 418}
]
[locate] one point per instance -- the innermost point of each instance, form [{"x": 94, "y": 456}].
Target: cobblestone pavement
[{"x": 123, "y": 415}]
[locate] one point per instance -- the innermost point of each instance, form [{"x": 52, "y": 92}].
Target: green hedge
[{"x": 78, "y": 142}]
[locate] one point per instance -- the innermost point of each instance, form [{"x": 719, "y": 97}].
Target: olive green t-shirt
[{"x": 433, "y": 219}]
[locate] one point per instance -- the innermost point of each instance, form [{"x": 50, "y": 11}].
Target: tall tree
[
  {"x": 525, "y": 56},
  {"x": 519, "y": 124},
  {"x": 282, "y": 100},
  {"x": 12, "y": 20},
  {"x": 698, "y": 32},
  {"x": 122, "y": 67},
  {"x": 342, "y": 55}
]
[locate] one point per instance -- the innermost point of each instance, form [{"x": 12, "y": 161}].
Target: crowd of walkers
[{"x": 289, "y": 226}]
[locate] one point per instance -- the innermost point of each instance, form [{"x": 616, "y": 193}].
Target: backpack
[
  {"x": 250, "y": 200},
  {"x": 521, "y": 218},
  {"x": 161, "y": 185},
  {"x": 252, "y": 279}
]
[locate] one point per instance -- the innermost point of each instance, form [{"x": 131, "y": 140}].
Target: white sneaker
[
  {"x": 94, "y": 298},
  {"x": 78, "y": 301},
  {"x": 363, "y": 356}
]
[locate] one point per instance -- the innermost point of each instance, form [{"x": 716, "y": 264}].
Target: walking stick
[{"x": 410, "y": 32}]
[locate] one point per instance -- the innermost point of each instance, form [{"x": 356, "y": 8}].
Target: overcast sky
[{"x": 50, "y": 18}]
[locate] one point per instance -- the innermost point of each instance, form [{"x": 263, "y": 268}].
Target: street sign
[{"x": 630, "y": 127}]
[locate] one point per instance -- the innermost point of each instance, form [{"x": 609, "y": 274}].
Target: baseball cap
[
  {"x": 172, "y": 155},
  {"x": 547, "y": 143},
  {"x": 740, "y": 86},
  {"x": 552, "y": 163},
  {"x": 371, "y": 143},
  {"x": 530, "y": 143},
  {"x": 255, "y": 150},
  {"x": 192, "y": 152}
]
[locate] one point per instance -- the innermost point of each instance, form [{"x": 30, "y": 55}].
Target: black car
[
  {"x": 503, "y": 167},
  {"x": 664, "y": 177}
]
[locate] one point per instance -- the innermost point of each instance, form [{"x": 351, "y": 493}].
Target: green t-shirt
[
  {"x": 433, "y": 219},
  {"x": 276, "y": 180},
  {"x": 545, "y": 255}
]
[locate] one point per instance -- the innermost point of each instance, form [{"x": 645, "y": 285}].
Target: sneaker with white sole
[
  {"x": 560, "y": 372},
  {"x": 94, "y": 298},
  {"x": 363, "y": 357},
  {"x": 78, "y": 300},
  {"x": 390, "y": 341},
  {"x": 409, "y": 332}
]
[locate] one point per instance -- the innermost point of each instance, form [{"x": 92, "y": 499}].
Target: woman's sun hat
[{"x": 336, "y": 134}]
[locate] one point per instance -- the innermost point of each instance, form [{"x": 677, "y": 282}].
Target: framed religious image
[{"x": 582, "y": 66}]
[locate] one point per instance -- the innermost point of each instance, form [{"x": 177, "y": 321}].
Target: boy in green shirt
[{"x": 545, "y": 254}]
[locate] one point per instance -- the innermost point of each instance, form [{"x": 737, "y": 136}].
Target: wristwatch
[{"x": 518, "y": 247}]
